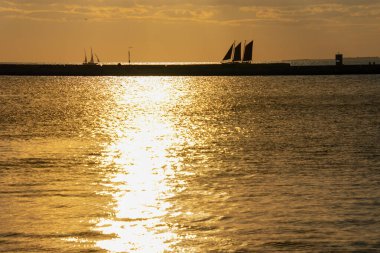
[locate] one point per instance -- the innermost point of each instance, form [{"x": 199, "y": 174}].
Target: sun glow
[{"x": 142, "y": 168}]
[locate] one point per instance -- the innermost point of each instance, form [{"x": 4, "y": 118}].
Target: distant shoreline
[
  {"x": 267, "y": 69},
  {"x": 322, "y": 61}
]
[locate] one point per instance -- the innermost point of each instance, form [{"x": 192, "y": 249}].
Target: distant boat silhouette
[
  {"x": 92, "y": 61},
  {"x": 233, "y": 54}
]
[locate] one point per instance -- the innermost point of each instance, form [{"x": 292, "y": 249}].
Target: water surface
[{"x": 190, "y": 164}]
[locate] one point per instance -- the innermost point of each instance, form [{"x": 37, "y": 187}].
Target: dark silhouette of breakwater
[{"x": 185, "y": 70}]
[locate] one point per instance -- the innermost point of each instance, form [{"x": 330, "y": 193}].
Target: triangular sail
[
  {"x": 237, "y": 54},
  {"x": 229, "y": 54},
  {"x": 248, "y": 52},
  {"x": 97, "y": 58}
]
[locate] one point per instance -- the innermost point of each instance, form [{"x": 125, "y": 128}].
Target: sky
[{"x": 186, "y": 31}]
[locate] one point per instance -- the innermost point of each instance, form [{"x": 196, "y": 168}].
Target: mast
[
  {"x": 237, "y": 53},
  {"x": 92, "y": 57},
  {"x": 248, "y": 49},
  {"x": 129, "y": 55},
  {"x": 85, "y": 57}
]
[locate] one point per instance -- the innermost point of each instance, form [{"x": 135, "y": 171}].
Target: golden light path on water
[{"x": 143, "y": 133}]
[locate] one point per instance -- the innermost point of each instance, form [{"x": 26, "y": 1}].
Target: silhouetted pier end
[{"x": 339, "y": 59}]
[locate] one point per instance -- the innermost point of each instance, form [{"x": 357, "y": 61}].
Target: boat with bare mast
[{"x": 91, "y": 61}]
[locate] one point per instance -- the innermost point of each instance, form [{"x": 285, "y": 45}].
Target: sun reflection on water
[{"x": 139, "y": 184}]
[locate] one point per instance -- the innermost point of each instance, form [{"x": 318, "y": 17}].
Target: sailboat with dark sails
[{"x": 234, "y": 55}]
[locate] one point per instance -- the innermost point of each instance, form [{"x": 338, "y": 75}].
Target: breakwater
[{"x": 184, "y": 70}]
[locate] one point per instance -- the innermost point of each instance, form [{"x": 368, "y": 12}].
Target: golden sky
[{"x": 175, "y": 30}]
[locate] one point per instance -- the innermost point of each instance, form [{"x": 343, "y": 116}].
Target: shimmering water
[{"x": 190, "y": 164}]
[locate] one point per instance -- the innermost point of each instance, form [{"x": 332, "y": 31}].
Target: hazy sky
[{"x": 197, "y": 30}]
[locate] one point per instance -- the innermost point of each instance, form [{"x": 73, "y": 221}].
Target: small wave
[
  {"x": 289, "y": 245},
  {"x": 132, "y": 219},
  {"x": 199, "y": 228},
  {"x": 40, "y": 162},
  {"x": 10, "y": 234},
  {"x": 82, "y": 234}
]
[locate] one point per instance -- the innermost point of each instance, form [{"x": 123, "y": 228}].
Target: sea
[{"x": 190, "y": 164}]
